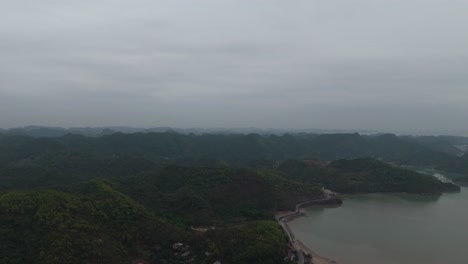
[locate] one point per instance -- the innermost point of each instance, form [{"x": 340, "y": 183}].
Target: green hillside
[
  {"x": 95, "y": 222},
  {"x": 98, "y": 226},
  {"x": 364, "y": 176},
  {"x": 197, "y": 195},
  {"x": 457, "y": 165},
  {"x": 124, "y": 198}
]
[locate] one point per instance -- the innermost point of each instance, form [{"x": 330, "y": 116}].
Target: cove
[{"x": 388, "y": 229}]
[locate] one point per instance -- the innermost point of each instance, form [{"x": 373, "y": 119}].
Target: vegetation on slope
[
  {"x": 258, "y": 242},
  {"x": 462, "y": 180},
  {"x": 234, "y": 149},
  {"x": 101, "y": 226},
  {"x": 92, "y": 222},
  {"x": 106, "y": 197},
  {"x": 364, "y": 175},
  {"x": 458, "y": 165},
  {"x": 201, "y": 195}
]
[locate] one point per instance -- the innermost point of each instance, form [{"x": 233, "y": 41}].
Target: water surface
[{"x": 389, "y": 229}]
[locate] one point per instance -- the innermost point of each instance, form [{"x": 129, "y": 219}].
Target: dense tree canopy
[
  {"x": 363, "y": 176},
  {"x": 124, "y": 197}
]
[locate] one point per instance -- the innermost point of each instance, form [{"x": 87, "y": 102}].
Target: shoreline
[{"x": 303, "y": 251}]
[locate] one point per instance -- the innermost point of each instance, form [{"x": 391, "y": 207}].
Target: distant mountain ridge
[
  {"x": 452, "y": 145},
  {"x": 45, "y": 131},
  {"x": 134, "y": 197},
  {"x": 43, "y": 159}
]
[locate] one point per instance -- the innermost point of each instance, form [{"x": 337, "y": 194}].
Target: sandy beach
[
  {"x": 284, "y": 217},
  {"x": 316, "y": 258},
  {"x": 300, "y": 247}
]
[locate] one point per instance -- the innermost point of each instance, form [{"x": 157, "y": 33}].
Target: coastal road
[
  {"x": 326, "y": 197},
  {"x": 298, "y": 245}
]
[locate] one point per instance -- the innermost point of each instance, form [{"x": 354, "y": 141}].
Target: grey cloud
[{"x": 324, "y": 64}]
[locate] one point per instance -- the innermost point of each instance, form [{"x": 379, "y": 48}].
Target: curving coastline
[{"x": 284, "y": 217}]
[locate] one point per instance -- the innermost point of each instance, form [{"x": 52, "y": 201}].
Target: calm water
[{"x": 389, "y": 229}]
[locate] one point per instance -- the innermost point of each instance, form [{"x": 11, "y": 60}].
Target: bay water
[{"x": 389, "y": 229}]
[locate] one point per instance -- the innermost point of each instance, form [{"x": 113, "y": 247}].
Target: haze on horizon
[{"x": 397, "y": 65}]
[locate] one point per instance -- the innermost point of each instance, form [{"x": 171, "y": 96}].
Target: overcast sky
[{"x": 361, "y": 64}]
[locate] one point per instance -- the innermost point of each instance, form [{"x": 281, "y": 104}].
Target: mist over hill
[{"x": 45, "y": 131}]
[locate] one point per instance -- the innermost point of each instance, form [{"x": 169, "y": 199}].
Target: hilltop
[
  {"x": 213, "y": 195},
  {"x": 364, "y": 175},
  {"x": 99, "y": 225},
  {"x": 119, "y": 219},
  {"x": 236, "y": 149},
  {"x": 119, "y": 198}
]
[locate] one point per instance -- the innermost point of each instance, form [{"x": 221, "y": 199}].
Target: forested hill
[
  {"x": 133, "y": 217},
  {"x": 128, "y": 217},
  {"x": 245, "y": 150},
  {"x": 123, "y": 198},
  {"x": 99, "y": 225},
  {"x": 201, "y": 195},
  {"x": 364, "y": 175},
  {"x": 457, "y": 165}
]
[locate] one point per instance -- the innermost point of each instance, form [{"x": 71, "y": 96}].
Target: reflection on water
[
  {"x": 391, "y": 197},
  {"x": 389, "y": 229},
  {"x": 322, "y": 207}
]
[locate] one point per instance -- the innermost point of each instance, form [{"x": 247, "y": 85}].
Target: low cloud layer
[{"x": 367, "y": 64}]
